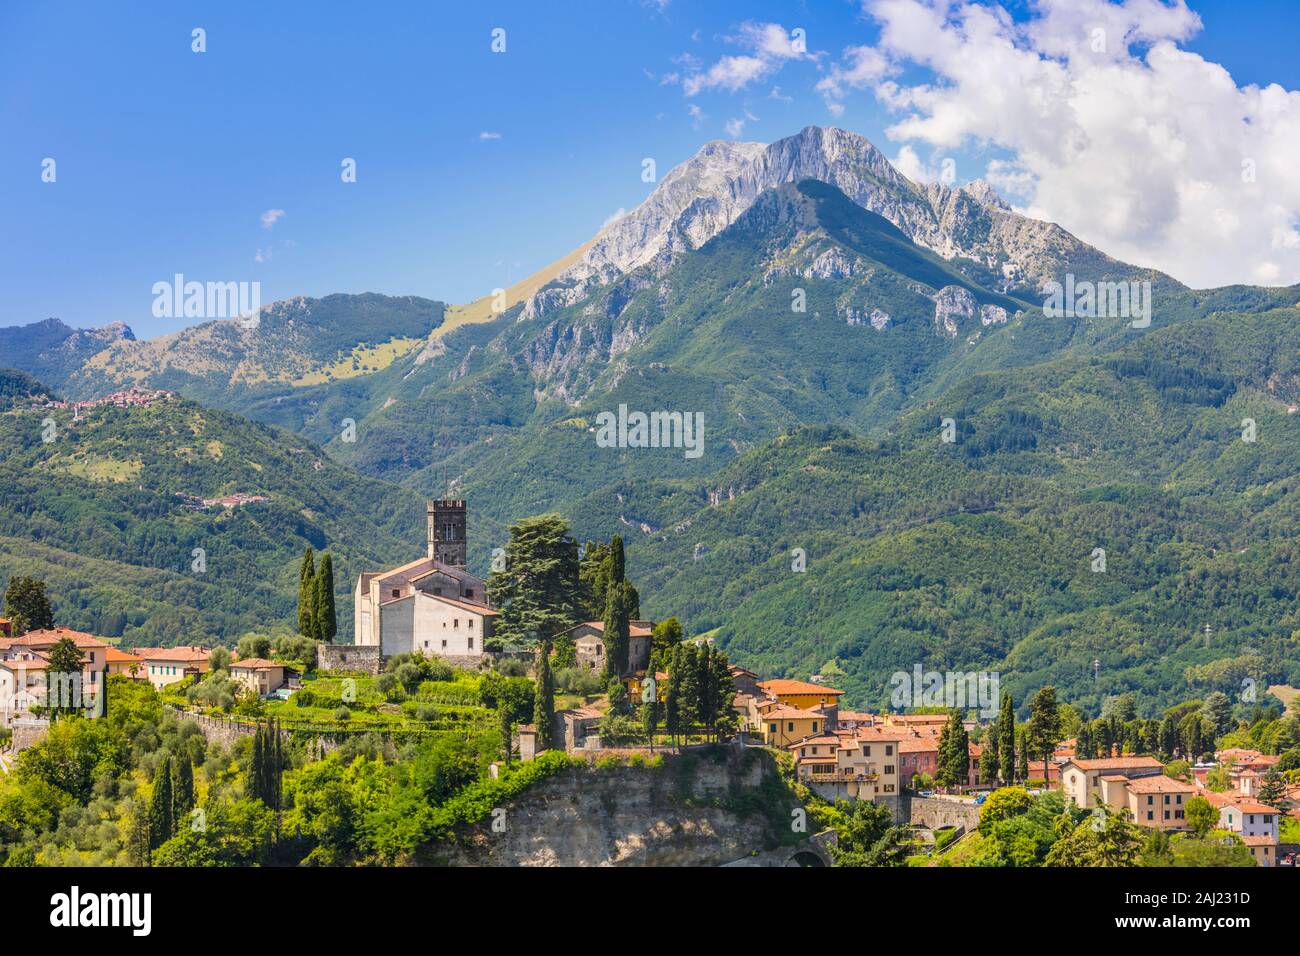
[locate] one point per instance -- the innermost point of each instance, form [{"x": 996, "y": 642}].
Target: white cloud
[
  {"x": 735, "y": 127},
  {"x": 862, "y": 67},
  {"x": 614, "y": 217},
  {"x": 1134, "y": 144},
  {"x": 485, "y": 135},
  {"x": 262, "y": 255},
  {"x": 271, "y": 217},
  {"x": 768, "y": 46}
]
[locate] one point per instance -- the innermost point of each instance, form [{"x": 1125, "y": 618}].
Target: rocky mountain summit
[{"x": 702, "y": 196}]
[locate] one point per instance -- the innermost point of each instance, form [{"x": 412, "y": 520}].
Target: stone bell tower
[{"x": 446, "y": 518}]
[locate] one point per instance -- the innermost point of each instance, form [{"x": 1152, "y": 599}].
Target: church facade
[{"x": 432, "y": 606}]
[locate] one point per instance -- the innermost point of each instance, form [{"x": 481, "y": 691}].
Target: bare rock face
[
  {"x": 953, "y": 305},
  {"x": 878, "y": 319},
  {"x": 704, "y": 195},
  {"x": 993, "y": 315}
]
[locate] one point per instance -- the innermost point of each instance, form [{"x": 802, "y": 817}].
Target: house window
[
  {"x": 470, "y": 623},
  {"x": 444, "y": 643},
  {"x": 889, "y": 768},
  {"x": 814, "y": 726},
  {"x": 789, "y": 726},
  {"x": 866, "y": 751},
  {"x": 396, "y": 593},
  {"x": 469, "y": 592},
  {"x": 889, "y": 750},
  {"x": 471, "y": 644},
  {"x": 771, "y": 728},
  {"x": 1150, "y": 815},
  {"x": 456, "y": 622}
]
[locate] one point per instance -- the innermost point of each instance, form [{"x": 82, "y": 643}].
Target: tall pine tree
[
  {"x": 307, "y": 594},
  {"x": 327, "y": 624},
  {"x": 182, "y": 791},
  {"x": 544, "y": 700},
  {"x": 1007, "y": 740},
  {"x": 162, "y": 824}
]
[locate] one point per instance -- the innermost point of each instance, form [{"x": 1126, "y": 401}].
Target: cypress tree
[
  {"x": 650, "y": 721},
  {"x": 138, "y": 838},
  {"x": 327, "y": 624},
  {"x": 1007, "y": 740},
  {"x": 506, "y": 730},
  {"x": 673, "y": 693},
  {"x": 162, "y": 825},
  {"x": 307, "y": 593},
  {"x": 544, "y": 701},
  {"x": 1022, "y": 759},
  {"x": 256, "y": 787},
  {"x": 989, "y": 758},
  {"x": 182, "y": 791}
]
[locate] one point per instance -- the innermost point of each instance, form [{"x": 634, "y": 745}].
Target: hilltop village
[{"x": 515, "y": 678}]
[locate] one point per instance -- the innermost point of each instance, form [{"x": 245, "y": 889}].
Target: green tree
[
  {"x": 1217, "y": 711},
  {"x": 1201, "y": 816},
  {"x": 866, "y": 836},
  {"x": 617, "y": 630},
  {"x": 1043, "y": 730},
  {"x": 182, "y": 790},
  {"x": 138, "y": 847},
  {"x": 1007, "y": 740},
  {"x": 65, "y": 677},
  {"x": 1003, "y": 804},
  {"x": 326, "y": 617},
  {"x": 666, "y": 635},
  {"x": 307, "y": 594},
  {"x": 1104, "y": 838},
  {"x": 544, "y": 700},
  {"x": 650, "y": 721},
  {"x": 162, "y": 822},
  {"x": 954, "y": 752},
  {"x": 1272, "y": 790},
  {"x": 505, "y": 727},
  {"x": 27, "y": 605},
  {"x": 537, "y": 592},
  {"x": 989, "y": 758}
]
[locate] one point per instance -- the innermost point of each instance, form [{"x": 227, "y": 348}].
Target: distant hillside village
[{"x": 434, "y": 642}]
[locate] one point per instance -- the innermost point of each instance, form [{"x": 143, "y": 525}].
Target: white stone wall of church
[
  {"x": 396, "y": 627},
  {"x": 436, "y": 622}
]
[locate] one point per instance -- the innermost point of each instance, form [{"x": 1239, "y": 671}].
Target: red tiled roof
[
  {"x": 1159, "y": 783},
  {"x": 254, "y": 664},
  {"x": 782, "y": 686},
  {"x": 1118, "y": 763},
  {"x": 54, "y": 635}
]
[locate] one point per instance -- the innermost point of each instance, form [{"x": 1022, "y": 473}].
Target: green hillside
[{"x": 96, "y": 513}]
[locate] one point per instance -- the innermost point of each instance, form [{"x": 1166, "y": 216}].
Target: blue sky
[{"x": 167, "y": 160}]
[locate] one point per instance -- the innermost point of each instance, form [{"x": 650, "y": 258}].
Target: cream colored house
[
  {"x": 25, "y": 679},
  {"x": 1154, "y": 801},
  {"x": 865, "y": 762},
  {"x": 1081, "y": 779},
  {"x": 258, "y": 675},
  {"x": 170, "y": 665}
]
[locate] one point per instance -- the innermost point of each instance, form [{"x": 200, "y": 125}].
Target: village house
[
  {"x": 1154, "y": 801},
  {"x": 589, "y": 645},
  {"x": 130, "y": 666},
  {"x": 1258, "y": 824},
  {"x": 25, "y": 678},
  {"x": 259, "y": 675},
  {"x": 860, "y": 764},
  {"x": 1081, "y": 780},
  {"x": 781, "y": 726},
  {"x": 171, "y": 665},
  {"x": 432, "y": 606}
]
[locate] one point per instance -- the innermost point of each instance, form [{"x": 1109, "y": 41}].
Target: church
[{"x": 432, "y": 606}]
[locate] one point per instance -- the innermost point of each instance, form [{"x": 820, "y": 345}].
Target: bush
[{"x": 342, "y": 714}]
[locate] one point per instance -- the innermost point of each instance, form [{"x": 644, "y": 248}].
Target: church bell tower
[{"x": 446, "y": 519}]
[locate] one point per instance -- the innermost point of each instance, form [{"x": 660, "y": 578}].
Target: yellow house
[
  {"x": 258, "y": 675},
  {"x": 800, "y": 694},
  {"x": 781, "y": 726}
]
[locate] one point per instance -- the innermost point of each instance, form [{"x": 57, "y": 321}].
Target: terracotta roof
[
  {"x": 1258, "y": 839},
  {"x": 1159, "y": 783},
  {"x": 634, "y": 628},
  {"x": 54, "y": 635},
  {"x": 1118, "y": 763},
  {"x": 116, "y": 656},
  {"x": 912, "y": 745},
  {"x": 782, "y": 686},
  {"x": 791, "y": 713},
  {"x": 34, "y": 662},
  {"x": 1250, "y": 806},
  {"x": 182, "y": 653},
  {"x": 254, "y": 664}
]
